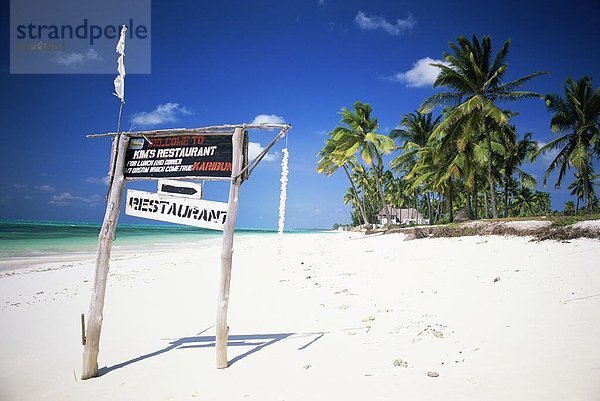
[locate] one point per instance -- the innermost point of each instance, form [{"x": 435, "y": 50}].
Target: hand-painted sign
[
  {"x": 183, "y": 156},
  {"x": 173, "y": 209},
  {"x": 180, "y": 188}
]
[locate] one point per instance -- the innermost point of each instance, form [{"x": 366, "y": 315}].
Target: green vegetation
[
  {"x": 467, "y": 160},
  {"x": 577, "y": 116},
  {"x": 561, "y": 221}
]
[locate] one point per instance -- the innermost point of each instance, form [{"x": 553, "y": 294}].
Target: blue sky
[{"x": 230, "y": 61}]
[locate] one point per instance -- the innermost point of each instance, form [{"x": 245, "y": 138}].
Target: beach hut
[{"x": 402, "y": 216}]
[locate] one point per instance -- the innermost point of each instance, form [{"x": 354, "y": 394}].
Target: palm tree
[
  {"x": 327, "y": 164},
  {"x": 397, "y": 192},
  {"x": 476, "y": 82},
  {"x": 514, "y": 153},
  {"x": 415, "y": 128},
  {"x": 414, "y": 132},
  {"x": 543, "y": 202},
  {"x": 580, "y": 187},
  {"x": 366, "y": 184},
  {"x": 437, "y": 166},
  {"x": 569, "y": 208},
  {"x": 577, "y": 117},
  {"x": 357, "y": 133},
  {"x": 530, "y": 202}
]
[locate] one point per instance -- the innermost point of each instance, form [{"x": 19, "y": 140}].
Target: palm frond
[
  {"x": 518, "y": 95},
  {"x": 517, "y": 83},
  {"x": 440, "y": 99}
]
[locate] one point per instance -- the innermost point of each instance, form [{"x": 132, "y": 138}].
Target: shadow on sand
[{"x": 257, "y": 341}]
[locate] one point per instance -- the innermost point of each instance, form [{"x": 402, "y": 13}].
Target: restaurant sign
[
  {"x": 183, "y": 156},
  {"x": 175, "y": 209}
]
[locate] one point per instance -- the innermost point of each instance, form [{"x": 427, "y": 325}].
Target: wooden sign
[
  {"x": 212, "y": 153},
  {"x": 174, "y": 209},
  {"x": 182, "y": 156},
  {"x": 180, "y": 188}
]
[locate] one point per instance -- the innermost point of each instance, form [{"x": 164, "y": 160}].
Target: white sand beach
[{"x": 336, "y": 316}]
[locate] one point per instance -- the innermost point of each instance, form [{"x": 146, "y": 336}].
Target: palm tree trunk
[
  {"x": 485, "y": 205},
  {"x": 506, "y": 176},
  {"x": 577, "y": 206},
  {"x": 428, "y": 207},
  {"x": 475, "y": 196},
  {"x": 386, "y": 210},
  {"x": 469, "y": 207},
  {"x": 586, "y": 193},
  {"x": 416, "y": 213},
  {"x": 490, "y": 177},
  {"x": 450, "y": 200},
  {"x": 361, "y": 206}
]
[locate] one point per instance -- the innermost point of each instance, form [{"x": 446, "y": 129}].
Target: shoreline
[
  {"x": 60, "y": 242},
  {"x": 44, "y": 260}
]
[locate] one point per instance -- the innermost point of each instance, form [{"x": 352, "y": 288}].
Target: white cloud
[
  {"x": 375, "y": 22},
  {"x": 96, "y": 180},
  {"x": 163, "y": 113},
  {"x": 254, "y": 149},
  {"x": 321, "y": 3},
  {"x": 27, "y": 197},
  {"x": 19, "y": 186},
  {"x": 421, "y": 74},
  {"x": 66, "y": 199},
  {"x": 76, "y": 59},
  {"x": 268, "y": 119},
  {"x": 63, "y": 196},
  {"x": 47, "y": 188},
  {"x": 549, "y": 156}
]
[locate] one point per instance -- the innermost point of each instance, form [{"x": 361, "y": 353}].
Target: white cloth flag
[
  {"x": 121, "y": 45},
  {"x": 283, "y": 193},
  {"x": 120, "y": 79}
]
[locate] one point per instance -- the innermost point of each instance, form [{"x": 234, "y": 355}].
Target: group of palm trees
[{"x": 469, "y": 157}]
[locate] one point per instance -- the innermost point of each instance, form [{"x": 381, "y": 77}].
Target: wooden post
[
  {"x": 227, "y": 250},
  {"x": 105, "y": 240},
  {"x": 82, "y": 329}
]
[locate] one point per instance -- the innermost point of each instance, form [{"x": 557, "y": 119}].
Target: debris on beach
[
  {"x": 536, "y": 230},
  {"x": 400, "y": 362},
  {"x": 433, "y": 374},
  {"x": 416, "y": 234}
]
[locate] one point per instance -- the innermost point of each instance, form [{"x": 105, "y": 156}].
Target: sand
[
  {"x": 590, "y": 225},
  {"x": 335, "y": 317}
]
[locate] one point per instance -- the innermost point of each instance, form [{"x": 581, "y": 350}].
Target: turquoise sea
[{"x": 35, "y": 239}]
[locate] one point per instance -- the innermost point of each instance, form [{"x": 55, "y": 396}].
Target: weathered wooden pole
[
  {"x": 105, "y": 240},
  {"x": 227, "y": 250}
]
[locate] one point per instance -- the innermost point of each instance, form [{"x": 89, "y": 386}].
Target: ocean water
[
  {"x": 30, "y": 239},
  {"x": 25, "y": 237}
]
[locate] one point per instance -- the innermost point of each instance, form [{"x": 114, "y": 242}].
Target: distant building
[{"x": 403, "y": 216}]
